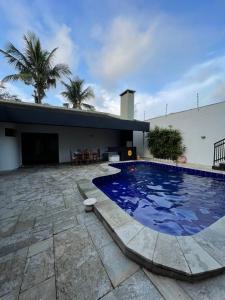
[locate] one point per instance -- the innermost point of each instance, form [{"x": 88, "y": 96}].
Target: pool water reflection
[{"x": 167, "y": 199}]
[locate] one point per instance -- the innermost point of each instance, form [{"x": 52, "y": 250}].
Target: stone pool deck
[{"x": 51, "y": 249}]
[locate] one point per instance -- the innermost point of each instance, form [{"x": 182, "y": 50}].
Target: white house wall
[
  {"x": 9, "y": 149},
  {"x": 70, "y": 139},
  {"x": 195, "y": 124},
  {"x": 73, "y": 138}
]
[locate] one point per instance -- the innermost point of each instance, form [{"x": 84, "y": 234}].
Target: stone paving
[{"x": 51, "y": 249}]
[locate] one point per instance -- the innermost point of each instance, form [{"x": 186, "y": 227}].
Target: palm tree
[
  {"x": 76, "y": 94},
  {"x": 34, "y": 66}
]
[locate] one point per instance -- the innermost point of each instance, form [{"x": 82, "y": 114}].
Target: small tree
[{"x": 165, "y": 143}]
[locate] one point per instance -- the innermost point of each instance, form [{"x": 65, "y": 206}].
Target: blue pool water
[{"x": 165, "y": 198}]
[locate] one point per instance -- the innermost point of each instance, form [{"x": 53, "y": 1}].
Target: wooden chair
[
  {"x": 79, "y": 154},
  {"x": 72, "y": 157},
  {"x": 96, "y": 155},
  {"x": 87, "y": 156},
  {"x": 76, "y": 157}
]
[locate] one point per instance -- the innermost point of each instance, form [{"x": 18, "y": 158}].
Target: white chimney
[{"x": 127, "y": 105}]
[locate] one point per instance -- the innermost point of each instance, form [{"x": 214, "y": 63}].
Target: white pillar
[{"x": 9, "y": 148}]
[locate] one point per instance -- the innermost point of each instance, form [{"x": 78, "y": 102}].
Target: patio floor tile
[
  {"x": 10, "y": 296},
  {"x": 99, "y": 234},
  {"x": 168, "y": 287},
  {"x": 7, "y": 226},
  {"x": 80, "y": 274},
  {"x": 210, "y": 289},
  {"x": 40, "y": 247},
  {"x": 118, "y": 266},
  {"x": 61, "y": 225},
  {"x": 15, "y": 242},
  {"x": 38, "y": 268},
  {"x": 11, "y": 271},
  {"x": 44, "y": 291},
  {"x": 87, "y": 218},
  {"x": 213, "y": 243},
  {"x": 137, "y": 287}
]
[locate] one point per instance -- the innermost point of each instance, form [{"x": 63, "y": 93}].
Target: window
[{"x": 10, "y": 132}]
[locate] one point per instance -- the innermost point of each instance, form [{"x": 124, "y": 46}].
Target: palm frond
[
  {"x": 19, "y": 65},
  {"x": 88, "y": 106},
  {"x": 65, "y": 94},
  {"x": 11, "y": 49},
  {"x": 88, "y": 93},
  {"x": 60, "y": 69},
  {"x": 66, "y": 85},
  {"x": 14, "y": 77},
  {"x": 50, "y": 55}
]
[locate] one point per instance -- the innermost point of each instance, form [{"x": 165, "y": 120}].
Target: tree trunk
[{"x": 37, "y": 96}]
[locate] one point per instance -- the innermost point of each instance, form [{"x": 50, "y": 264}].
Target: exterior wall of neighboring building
[
  {"x": 70, "y": 139},
  {"x": 200, "y": 129}
]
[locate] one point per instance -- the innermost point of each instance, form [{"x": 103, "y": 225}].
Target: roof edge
[{"x": 127, "y": 91}]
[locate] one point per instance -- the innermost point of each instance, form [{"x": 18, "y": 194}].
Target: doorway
[{"x": 39, "y": 148}]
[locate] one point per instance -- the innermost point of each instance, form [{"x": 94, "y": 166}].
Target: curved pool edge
[{"x": 188, "y": 258}]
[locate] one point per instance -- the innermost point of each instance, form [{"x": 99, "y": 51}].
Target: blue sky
[{"x": 165, "y": 50}]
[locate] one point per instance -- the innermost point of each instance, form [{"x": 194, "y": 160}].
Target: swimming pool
[{"x": 168, "y": 199}]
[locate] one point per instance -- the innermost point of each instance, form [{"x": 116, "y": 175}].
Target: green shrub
[{"x": 165, "y": 143}]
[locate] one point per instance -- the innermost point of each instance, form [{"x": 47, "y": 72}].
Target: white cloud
[
  {"x": 105, "y": 100},
  {"x": 207, "y": 79},
  {"x": 19, "y": 19},
  {"x": 124, "y": 49},
  {"x": 67, "y": 51},
  {"x": 52, "y": 34},
  {"x": 96, "y": 31},
  {"x": 135, "y": 47},
  {"x": 17, "y": 91}
]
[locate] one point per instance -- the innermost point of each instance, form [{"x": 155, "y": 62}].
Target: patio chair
[
  {"x": 87, "y": 156},
  {"x": 79, "y": 156},
  {"x": 72, "y": 157},
  {"x": 76, "y": 157},
  {"x": 96, "y": 155}
]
